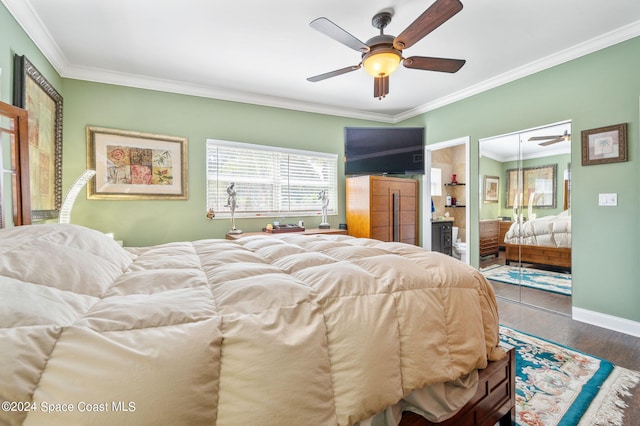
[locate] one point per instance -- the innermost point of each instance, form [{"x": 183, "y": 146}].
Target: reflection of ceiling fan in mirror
[
  {"x": 382, "y": 54},
  {"x": 550, "y": 140}
]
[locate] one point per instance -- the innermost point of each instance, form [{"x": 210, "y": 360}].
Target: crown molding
[
  {"x": 606, "y": 40},
  {"x": 26, "y": 17},
  {"x": 30, "y": 22},
  {"x": 171, "y": 86}
]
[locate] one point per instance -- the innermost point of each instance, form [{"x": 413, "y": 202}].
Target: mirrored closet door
[{"x": 525, "y": 215}]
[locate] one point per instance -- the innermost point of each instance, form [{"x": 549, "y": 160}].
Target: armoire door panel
[
  {"x": 407, "y": 232},
  {"x": 408, "y": 203},
  {"x": 381, "y": 218},
  {"x": 380, "y": 203},
  {"x": 382, "y": 233},
  {"x": 383, "y": 188},
  {"x": 408, "y": 217}
]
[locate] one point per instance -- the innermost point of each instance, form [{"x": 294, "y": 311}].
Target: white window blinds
[{"x": 269, "y": 181}]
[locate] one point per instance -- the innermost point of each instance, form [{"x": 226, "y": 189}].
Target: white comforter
[
  {"x": 297, "y": 330},
  {"x": 548, "y": 231}
]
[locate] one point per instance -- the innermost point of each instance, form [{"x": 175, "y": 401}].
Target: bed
[
  {"x": 541, "y": 241},
  {"x": 263, "y": 330}
]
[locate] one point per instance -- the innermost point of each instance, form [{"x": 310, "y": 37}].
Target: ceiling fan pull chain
[{"x": 380, "y": 86}]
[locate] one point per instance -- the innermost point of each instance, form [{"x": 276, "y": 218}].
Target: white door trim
[{"x": 426, "y": 189}]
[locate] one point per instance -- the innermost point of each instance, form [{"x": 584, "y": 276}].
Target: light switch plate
[{"x": 609, "y": 200}]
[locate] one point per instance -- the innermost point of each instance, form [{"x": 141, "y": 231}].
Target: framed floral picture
[{"x": 132, "y": 165}]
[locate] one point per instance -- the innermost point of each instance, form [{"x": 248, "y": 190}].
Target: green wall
[
  {"x": 600, "y": 89},
  {"x": 13, "y": 40},
  {"x": 596, "y": 90},
  {"x": 496, "y": 168},
  {"x": 490, "y": 167},
  {"x": 147, "y": 222}
]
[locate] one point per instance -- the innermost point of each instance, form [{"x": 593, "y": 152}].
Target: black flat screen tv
[{"x": 383, "y": 150}]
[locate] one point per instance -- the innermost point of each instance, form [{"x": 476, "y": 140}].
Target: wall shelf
[{"x": 455, "y": 206}]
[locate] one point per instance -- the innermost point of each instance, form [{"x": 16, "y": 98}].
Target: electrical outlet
[{"x": 609, "y": 200}]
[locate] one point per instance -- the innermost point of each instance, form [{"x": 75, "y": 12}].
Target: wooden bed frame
[
  {"x": 552, "y": 256},
  {"x": 494, "y": 401}
]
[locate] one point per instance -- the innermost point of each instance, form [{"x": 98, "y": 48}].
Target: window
[
  {"x": 436, "y": 181},
  {"x": 269, "y": 181}
]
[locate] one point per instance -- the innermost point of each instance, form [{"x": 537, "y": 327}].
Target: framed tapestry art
[
  {"x": 133, "y": 165},
  {"x": 31, "y": 91},
  {"x": 604, "y": 145},
  {"x": 540, "y": 181}
]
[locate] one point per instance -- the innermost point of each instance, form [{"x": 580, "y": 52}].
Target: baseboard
[{"x": 610, "y": 322}]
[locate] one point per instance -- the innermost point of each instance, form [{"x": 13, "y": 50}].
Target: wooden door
[
  {"x": 14, "y": 160},
  {"x": 394, "y": 210}
]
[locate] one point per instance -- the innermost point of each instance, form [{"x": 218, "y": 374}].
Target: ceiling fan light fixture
[
  {"x": 382, "y": 54},
  {"x": 381, "y": 62}
]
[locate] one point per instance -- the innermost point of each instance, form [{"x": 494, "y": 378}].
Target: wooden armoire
[{"x": 383, "y": 208}]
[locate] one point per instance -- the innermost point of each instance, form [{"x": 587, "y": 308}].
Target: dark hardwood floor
[
  {"x": 553, "y": 301},
  {"x": 619, "y": 348}
]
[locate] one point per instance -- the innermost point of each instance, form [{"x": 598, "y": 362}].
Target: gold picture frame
[
  {"x": 541, "y": 180},
  {"x": 32, "y": 92},
  {"x": 491, "y": 189},
  {"x": 136, "y": 166},
  {"x": 604, "y": 145}
]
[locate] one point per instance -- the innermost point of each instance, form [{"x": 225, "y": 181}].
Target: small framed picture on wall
[
  {"x": 604, "y": 145},
  {"x": 491, "y": 189}
]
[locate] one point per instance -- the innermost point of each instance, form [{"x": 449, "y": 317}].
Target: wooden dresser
[
  {"x": 383, "y": 208},
  {"x": 308, "y": 231},
  {"x": 489, "y": 235}
]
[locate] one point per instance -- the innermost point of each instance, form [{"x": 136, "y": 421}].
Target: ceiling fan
[
  {"x": 550, "y": 140},
  {"x": 382, "y": 54}
]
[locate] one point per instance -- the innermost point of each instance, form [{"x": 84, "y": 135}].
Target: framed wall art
[
  {"x": 132, "y": 165},
  {"x": 604, "y": 145},
  {"x": 31, "y": 91},
  {"x": 540, "y": 181},
  {"x": 491, "y": 189}
]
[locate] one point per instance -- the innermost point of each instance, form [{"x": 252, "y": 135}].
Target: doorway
[
  {"x": 445, "y": 196},
  {"x": 525, "y": 215}
]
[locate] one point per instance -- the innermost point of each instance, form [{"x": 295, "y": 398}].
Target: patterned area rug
[
  {"x": 556, "y": 385},
  {"x": 556, "y": 282}
]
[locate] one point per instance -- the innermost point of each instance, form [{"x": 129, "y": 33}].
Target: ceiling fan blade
[
  {"x": 330, "y": 29},
  {"x": 552, "y": 141},
  {"x": 434, "y": 64},
  {"x": 333, "y": 73},
  {"x": 437, "y": 14},
  {"x": 544, "y": 138}
]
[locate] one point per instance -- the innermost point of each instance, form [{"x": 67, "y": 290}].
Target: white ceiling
[{"x": 262, "y": 52}]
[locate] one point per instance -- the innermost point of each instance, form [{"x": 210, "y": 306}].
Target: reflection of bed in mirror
[{"x": 543, "y": 241}]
